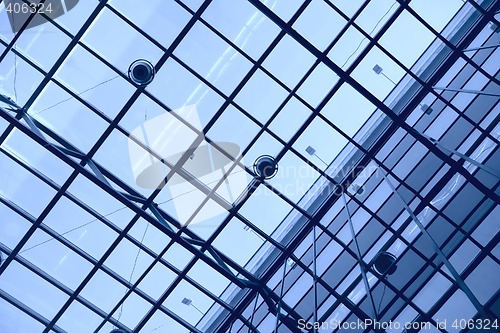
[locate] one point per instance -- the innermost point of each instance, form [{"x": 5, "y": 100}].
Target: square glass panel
[
  {"x": 242, "y": 24},
  {"x": 261, "y": 96},
  {"x": 319, "y": 24},
  {"x": 23, "y": 188},
  {"x": 221, "y": 65},
  {"x": 118, "y": 42},
  {"x": 162, "y": 20},
  {"x": 32, "y": 290},
  {"x": 289, "y": 61}
]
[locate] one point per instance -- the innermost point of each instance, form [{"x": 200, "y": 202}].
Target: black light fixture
[
  {"x": 265, "y": 167},
  {"x": 118, "y": 330},
  {"x": 383, "y": 263},
  {"x": 141, "y": 72}
]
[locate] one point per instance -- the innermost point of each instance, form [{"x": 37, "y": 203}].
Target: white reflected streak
[{"x": 228, "y": 56}]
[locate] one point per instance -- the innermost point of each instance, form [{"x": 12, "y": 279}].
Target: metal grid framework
[{"x": 427, "y": 154}]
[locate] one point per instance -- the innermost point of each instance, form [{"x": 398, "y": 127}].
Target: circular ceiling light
[
  {"x": 383, "y": 263},
  {"x": 141, "y": 72},
  {"x": 265, "y": 167}
]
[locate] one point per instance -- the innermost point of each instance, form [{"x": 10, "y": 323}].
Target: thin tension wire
[
  {"x": 79, "y": 94},
  {"x": 111, "y": 213}
]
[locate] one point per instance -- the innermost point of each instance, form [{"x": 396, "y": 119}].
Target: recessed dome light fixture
[
  {"x": 383, "y": 263},
  {"x": 265, "y": 167},
  {"x": 141, "y": 72}
]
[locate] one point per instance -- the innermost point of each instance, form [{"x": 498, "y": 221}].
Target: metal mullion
[
  {"x": 126, "y": 107},
  {"x": 396, "y": 118},
  {"x": 256, "y": 65},
  {"x": 56, "y": 283},
  {"x": 473, "y": 229},
  {"x": 449, "y": 44},
  {"x": 186, "y": 231},
  {"x": 28, "y": 311},
  {"x": 402, "y": 183},
  {"x": 274, "y": 135},
  {"x": 101, "y": 261},
  {"x": 430, "y": 90},
  {"x": 408, "y": 301},
  {"x": 18, "y": 34},
  {"x": 425, "y": 201},
  {"x": 400, "y": 292},
  {"x": 306, "y": 268},
  {"x": 114, "y": 179},
  {"x": 245, "y": 80},
  {"x": 157, "y": 304},
  {"x": 35, "y": 172},
  {"x": 472, "y": 266},
  {"x": 55, "y": 236},
  {"x": 438, "y": 212},
  {"x": 51, "y": 20},
  {"x": 350, "y": 20},
  {"x": 166, "y": 294},
  {"x": 374, "y": 41},
  {"x": 98, "y": 217},
  {"x": 35, "y": 225},
  {"x": 159, "y": 259},
  {"x": 111, "y": 248},
  {"x": 134, "y": 286},
  {"x": 324, "y": 283},
  {"x": 177, "y": 168},
  {"x": 458, "y": 228},
  {"x": 65, "y": 54},
  {"x": 177, "y": 318},
  {"x": 37, "y": 222},
  {"x": 93, "y": 271},
  {"x": 458, "y": 279},
  {"x": 211, "y": 295},
  {"x": 136, "y": 27},
  {"x": 74, "y": 95},
  {"x": 465, "y": 236},
  {"x": 115, "y": 121},
  {"x": 485, "y": 12},
  {"x": 75, "y": 200},
  {"x": 201, "y": 78},
  {"x": 398, "y": 235},
  {"x": 113, "y": 193}
]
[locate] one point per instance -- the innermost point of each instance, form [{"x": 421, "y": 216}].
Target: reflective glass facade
[{"x": 141, "y": 207}]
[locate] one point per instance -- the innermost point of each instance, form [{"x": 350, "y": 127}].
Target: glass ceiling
[{"x": 140, "y": 207}]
